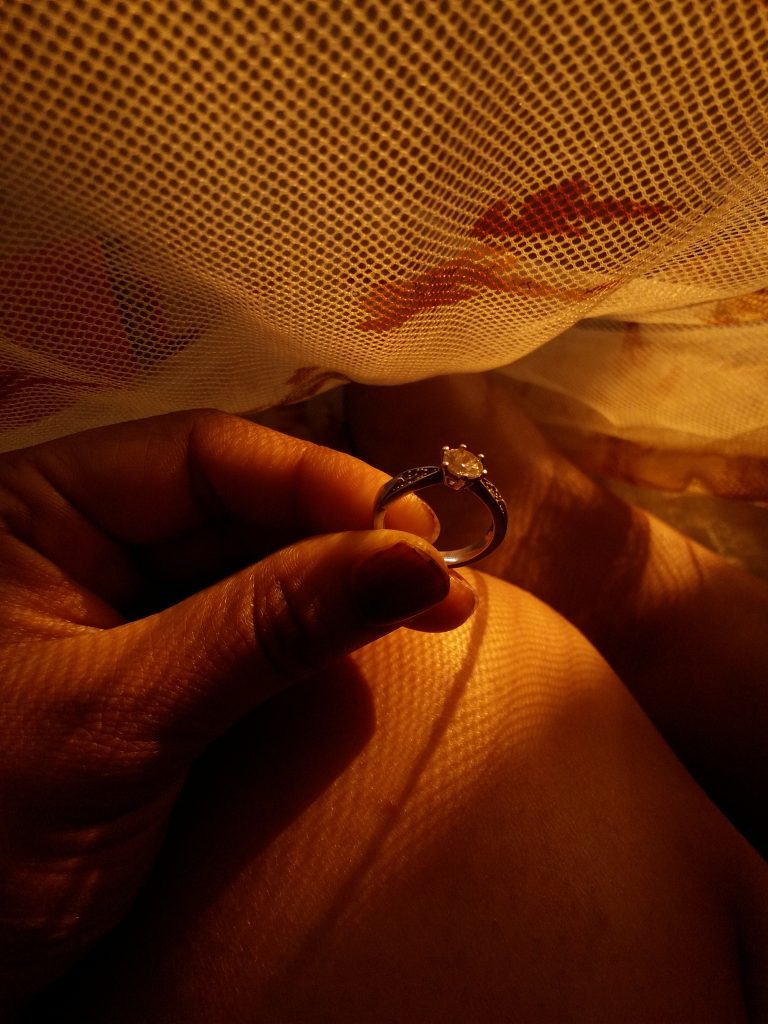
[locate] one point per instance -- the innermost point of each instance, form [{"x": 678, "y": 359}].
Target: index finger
[{"x": 147, "y": 480}]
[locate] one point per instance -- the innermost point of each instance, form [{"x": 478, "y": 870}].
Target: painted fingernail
[
  {"x": 398, "y": 582},
  {"x": 467, "y": 589}
]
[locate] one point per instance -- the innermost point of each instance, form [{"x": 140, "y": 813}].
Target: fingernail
[
  {"x": 399, "y": 582},
  {"x": 465, "y": 586}
]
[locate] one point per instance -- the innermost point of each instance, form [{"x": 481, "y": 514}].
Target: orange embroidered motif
[
  {"x": 738, "y": 309},
  {"x": 477, "y": 269},
  {"x": 391, "y": 303},
  {"x": 85, "y": 319},
  {"x": 563, "y": 210},
  {"x": 307, "y": 381}
]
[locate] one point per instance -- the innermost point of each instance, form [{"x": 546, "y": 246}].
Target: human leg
[{"x": 477, "y": 826}]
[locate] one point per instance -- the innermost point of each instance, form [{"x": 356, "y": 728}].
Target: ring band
[{"x": 459, "y": 469}]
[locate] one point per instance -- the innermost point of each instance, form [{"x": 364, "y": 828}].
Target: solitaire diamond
[
  {"x": 463, "y": 464},
  {"x": 460, "y": 470}
]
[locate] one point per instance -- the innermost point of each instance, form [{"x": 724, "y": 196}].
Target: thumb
[{"x": 194, "y": 669}]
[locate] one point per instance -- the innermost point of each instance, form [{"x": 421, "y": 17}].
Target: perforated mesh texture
[{"x": 240, "y": 204}]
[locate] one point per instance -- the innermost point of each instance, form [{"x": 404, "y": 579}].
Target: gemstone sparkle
[{"x": 462, "y": 464}]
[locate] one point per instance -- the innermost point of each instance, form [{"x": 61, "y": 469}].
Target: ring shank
[{"x": 413, "y": 480}]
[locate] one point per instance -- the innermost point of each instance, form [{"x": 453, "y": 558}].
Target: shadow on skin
[
  {"x": 285, "y": 755},
  {"x": 290, "y": 750}
]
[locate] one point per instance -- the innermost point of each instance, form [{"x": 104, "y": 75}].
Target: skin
[
  {"x": 159, "y": 580},
  {"x": 482, "y": 845},
  {"x": 490, "y": 823},
  {"x": 682, "y": 628}
]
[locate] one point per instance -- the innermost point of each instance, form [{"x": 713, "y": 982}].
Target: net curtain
[{"x": 242, "y": 205}]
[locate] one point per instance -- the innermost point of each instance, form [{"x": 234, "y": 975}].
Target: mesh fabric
[{"x": 240, "y": 204}]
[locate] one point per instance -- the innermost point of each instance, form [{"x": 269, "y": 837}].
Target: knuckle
[{"x": 288, "y": 626}]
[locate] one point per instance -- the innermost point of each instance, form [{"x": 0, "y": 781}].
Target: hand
[
  {"x": 135, "y": 629},
  {"x": 683, "y": 628}
]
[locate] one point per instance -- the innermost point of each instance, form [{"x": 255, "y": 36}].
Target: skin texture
[
  {"x": 477, "y": 827},
  {"x": 159, "y": 580},
  {"x": 682, "y": 628},
  {"x": 491, "y": 823}
]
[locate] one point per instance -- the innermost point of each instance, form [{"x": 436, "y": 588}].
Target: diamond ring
[{"x": 458, "y": 469}]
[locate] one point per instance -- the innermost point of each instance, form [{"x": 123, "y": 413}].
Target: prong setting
[{"x": 461, "y": 467}]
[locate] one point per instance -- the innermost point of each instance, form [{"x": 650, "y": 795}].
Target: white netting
[{"x": 238, "y": 204}]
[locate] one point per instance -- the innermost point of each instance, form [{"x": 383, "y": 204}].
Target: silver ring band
[{"x": 459, "y": 469}]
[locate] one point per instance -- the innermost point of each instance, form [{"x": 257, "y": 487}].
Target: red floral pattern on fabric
[
  {"x": 562, "y": 210},
  {"x": 92, "y": 320},
  {"x": 307, "y": 381},
  {"x": 566, "y": 209}
]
